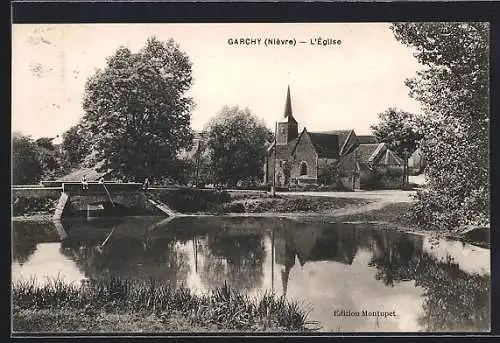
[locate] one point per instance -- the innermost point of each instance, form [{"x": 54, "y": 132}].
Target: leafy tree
[
  {"x": 202, "y": 174},
  {"x": 34, "y": 160},
  {"x": 328, "y": 174},
  {"x": 454, "y": 93},
  {"x": 400, "y": 131},
  {"x": 51, "y": 158},
  {"x": 136, "y": 112},
  {"x": 287, "y": 171},
  {"x": 75, "y": 145},
  {"x": 26, "y": 166},
  {"x": 236, "y": 144}
]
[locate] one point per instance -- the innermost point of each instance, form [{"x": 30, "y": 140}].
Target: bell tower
[{"x": 287, "y": 126}]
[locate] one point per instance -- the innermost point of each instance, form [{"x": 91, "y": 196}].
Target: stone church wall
[{"x": 305, "y": 152}]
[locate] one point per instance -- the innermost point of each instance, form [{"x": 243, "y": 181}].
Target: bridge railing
[{"x": 77, "y": 187}]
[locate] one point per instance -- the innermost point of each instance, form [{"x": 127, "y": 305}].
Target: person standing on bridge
[
  {"x": 145, "y": 185},
  {"x": 85, "y": 184}
]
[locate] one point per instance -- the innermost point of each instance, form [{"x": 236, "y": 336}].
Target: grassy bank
[
  {"x": 392, "y": 213},
  {"x": 289, "y": 204},
  {"x": 116, "y": 305},
  {"x": 193, "y": 201}
]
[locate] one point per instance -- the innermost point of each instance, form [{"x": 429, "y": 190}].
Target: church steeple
[
  {"x": 287, "y": 127},
  {"x": 288, "y": 106}
]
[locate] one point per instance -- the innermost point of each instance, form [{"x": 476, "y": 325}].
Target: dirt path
[{"x": 378, "y": 199}]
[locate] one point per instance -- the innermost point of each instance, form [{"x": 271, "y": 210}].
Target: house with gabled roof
[{"x": 308, "y": 157}]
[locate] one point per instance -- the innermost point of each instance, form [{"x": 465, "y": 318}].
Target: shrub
[
  {"x": 433, "y": 211},
  {"x": 234, "y": 208},
  {"x": 394, "y": 172},
  {"x": 309, "y": 187},
  {"x": 372, "y": 181}
]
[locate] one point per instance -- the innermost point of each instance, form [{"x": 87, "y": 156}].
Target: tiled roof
[
  {"x": 367, "y": 139},
  {"x": 342, "y": 136},
  {"x": 92, "y": 174},
  {"x": 390, "y": 158},
  {"x": 326, "y": 145},
  {"x": 365, "y": 151}
]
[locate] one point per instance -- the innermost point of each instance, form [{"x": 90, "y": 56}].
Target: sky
[{"x": 338, "y": 86}]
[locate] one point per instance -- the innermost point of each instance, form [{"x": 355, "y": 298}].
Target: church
[{"x": 335, "y": 157}]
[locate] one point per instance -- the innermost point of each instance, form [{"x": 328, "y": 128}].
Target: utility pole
[
  {"x": 198, "y": 156},
  {"x": 405, "y": 169},
  {"x": 355, "y": 170},
  {"x": 273, "y": 189}
]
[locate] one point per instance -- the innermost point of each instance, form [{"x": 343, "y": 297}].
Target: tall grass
[{"x": 224, "y": 307}]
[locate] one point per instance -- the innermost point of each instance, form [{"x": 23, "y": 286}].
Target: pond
[{"x": 342, "y": 273}]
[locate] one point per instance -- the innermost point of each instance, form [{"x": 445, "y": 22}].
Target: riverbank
[
  {"x": 387, "y": 208},
  {"x": 115, "y": 305}
]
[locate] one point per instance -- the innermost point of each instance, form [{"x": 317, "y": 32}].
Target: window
[{"x": 303, "y": 168}]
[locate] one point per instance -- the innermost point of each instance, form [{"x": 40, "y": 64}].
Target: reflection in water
[
  {"x": 453, "y": 300},
  {"x": 238, "y": 260},
  {"x": 26, "y": 237},
  {"x": 327, "y": 266},
  {"x": 24, "y": 245}
]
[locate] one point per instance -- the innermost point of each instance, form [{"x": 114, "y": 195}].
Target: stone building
[{"x": 331, "y": 157}]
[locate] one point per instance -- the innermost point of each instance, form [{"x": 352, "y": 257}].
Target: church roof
[
  {"x": 367, "y": 139},
  {"x": 343, "y": 135},
  {"x": 326, "y": 145}
]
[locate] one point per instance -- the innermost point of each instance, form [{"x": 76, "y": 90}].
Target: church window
[{"x": 303, "y": 168}]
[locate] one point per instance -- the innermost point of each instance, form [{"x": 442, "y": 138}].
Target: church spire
[{"x": 288, "y": 106}]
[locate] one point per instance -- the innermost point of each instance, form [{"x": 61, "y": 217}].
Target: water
[{"x": 332, "y": 269}]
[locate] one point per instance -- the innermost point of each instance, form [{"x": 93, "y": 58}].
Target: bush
[
  {"x": 394, "y": 172},
  {"x": 234, "y": 208},
  {"x": 433, "y": 211},
  {"x": 372, "y": 181},
  {"x": 310, "y": 187}
]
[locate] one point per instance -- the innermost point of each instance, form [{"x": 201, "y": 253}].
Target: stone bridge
[{"x": 114, "y": 198}]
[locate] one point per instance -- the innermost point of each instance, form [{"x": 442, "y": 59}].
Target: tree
[
  {"x": 400, "y": 131},
  {"x": 454, "y": 93},
  {"x": 236, "y": 143},
  {"x": 75, "y": 145},
  {"x": 136, "y": 113},
  {"x": 26, "y": 166},
  {"x": 328, "y": 174},
  {"x": 50, "y": 157}
]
